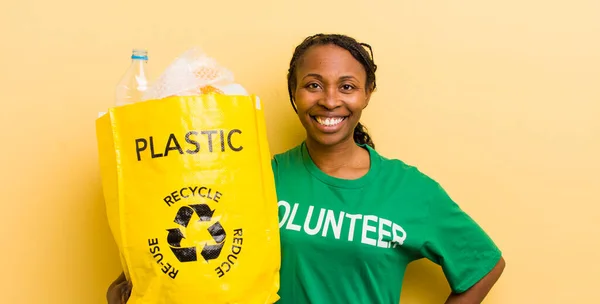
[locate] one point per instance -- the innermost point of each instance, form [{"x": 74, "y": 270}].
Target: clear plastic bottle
[{"x": 134, "y": 83}]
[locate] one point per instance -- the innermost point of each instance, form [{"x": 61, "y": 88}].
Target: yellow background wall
[{"x": 497, "y": 100}]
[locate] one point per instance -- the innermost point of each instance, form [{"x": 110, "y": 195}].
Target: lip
[{"x": 328, "y": 114}]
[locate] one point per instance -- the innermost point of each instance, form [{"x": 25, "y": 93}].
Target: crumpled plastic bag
[{"x": 194, "y": 73}]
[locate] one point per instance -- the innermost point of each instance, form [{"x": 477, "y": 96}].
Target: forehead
[{"x": 330, "y": 60}]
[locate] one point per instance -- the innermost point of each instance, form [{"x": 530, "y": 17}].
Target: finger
[
  {"x": 115, "y": 293},
  {"x": 126, "y": 291}
]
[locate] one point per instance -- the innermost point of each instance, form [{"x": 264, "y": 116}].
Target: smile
[{"x": 329, "y": 121}]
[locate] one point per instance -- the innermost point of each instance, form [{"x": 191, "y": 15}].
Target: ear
[{"x": 368, "y": 97}]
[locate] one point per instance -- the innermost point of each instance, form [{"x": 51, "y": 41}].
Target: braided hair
[{"x": 358, "y": 51}]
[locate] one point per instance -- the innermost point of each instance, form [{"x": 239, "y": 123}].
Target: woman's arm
[{"x": 479, "y": 291}]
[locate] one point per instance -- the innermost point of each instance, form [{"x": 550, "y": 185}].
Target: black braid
[{"x": 358, "y": 51}]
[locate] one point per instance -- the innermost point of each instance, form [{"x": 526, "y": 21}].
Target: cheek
[
  {"x": 303, "y": 101},
  {"x": 357, "y": 103}
]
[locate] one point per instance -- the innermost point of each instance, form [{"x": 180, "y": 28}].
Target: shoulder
[
  {"x": 406, "y": 174},
  {"x": 292, "y": 155},
  {"x": 426, "y": 190},
  {"x": 286, "y": 160}
]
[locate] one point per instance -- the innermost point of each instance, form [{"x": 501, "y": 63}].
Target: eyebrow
[
  {"x": 319, "y": 77},
  {"x": 347, "y": 77},
  {"x": 313, "y": 75}
]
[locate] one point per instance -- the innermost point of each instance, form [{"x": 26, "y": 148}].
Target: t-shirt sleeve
[{"x": 457, "y": 243}]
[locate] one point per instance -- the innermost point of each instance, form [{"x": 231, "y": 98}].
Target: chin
[{"x": 330, "y": 140}]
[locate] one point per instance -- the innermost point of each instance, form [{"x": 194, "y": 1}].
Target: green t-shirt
[{"x": 350, "y": 241}]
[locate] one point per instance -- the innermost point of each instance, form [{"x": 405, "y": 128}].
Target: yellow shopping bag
[{"x": 190, "y": 199}]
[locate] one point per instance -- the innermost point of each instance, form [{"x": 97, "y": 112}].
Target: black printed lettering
[
  {"x": 166, "y": 268},
  {"x": 230, "y": 257},
  {"x": 208, "y": 194},
  {"x": 153, "y": 246},
  {"x": 163, "y": 147},
  {"x": 227, "y": 265},
  {"x": 141, "y": 148},
  {"x": 187, "y": 192},
  {"x": 175, "y": 196},
  {"x": 222, "y": 136},
  {"x": 172, "y": 141},
  {"x": 210, "y": 140},
  {"x": 192, "y": 142},
  {"x": 173, "y": 273},
  {"x": 220, "y": 272},
  {"x": 152, "y": 154},
  {"x": 181, "y": 192},
  {"x": 169, "y": 200},
  {"x": 237, "y": 149}
]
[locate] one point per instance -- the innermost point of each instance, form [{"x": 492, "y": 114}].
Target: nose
[{"x": 330, "y": 99}]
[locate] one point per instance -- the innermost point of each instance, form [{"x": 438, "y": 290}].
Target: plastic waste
[{"x": 134, "y": 83}]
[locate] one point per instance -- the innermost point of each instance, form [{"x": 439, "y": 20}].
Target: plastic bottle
[{"x": 134, "y": 83}]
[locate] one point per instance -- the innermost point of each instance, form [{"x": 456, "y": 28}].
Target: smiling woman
[{"x": 352, "y": 220}]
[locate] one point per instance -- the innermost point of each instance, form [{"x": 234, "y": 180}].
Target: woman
[{"x": 352, "y": 220}]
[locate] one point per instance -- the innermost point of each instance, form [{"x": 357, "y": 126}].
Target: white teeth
[{"x": 329, "y": 121}]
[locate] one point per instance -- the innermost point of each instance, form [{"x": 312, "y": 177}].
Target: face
[{"x": 330, "y": 94}]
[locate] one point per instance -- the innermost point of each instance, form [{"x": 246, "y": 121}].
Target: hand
[{"x": 119, "y": 291}]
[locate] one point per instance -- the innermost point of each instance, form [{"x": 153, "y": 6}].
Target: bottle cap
[{"x": 139, "y": 54}]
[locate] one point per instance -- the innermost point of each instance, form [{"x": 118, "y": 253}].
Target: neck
[{"x": 332, "y": 158}]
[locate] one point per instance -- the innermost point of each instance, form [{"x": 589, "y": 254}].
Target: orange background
[{"x": 499, "y": 101}]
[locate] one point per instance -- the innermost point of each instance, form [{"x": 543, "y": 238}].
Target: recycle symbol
[{"x": 189, "y": 254}]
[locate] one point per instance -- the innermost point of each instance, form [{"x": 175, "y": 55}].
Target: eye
[
  {"x": 347, "y": 87},
  {"x": 313, "y": 86}
]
